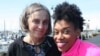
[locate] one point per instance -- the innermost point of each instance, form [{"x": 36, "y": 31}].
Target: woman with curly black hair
[{"x": 67, "y": 28}]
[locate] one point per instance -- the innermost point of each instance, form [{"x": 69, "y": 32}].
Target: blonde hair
[{"x": 28, "y": 11}]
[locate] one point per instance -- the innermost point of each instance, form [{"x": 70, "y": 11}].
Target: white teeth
[{"x": 60, "y": 44}]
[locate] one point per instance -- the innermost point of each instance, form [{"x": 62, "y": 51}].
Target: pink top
[{"x": 81, "y": 48}]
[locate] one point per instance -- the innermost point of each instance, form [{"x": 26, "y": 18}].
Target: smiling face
[
  {"x": 65, "y": 35},
  {"x": 38, "y": 23}
]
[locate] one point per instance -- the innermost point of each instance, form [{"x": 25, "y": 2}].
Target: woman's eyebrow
[
  {"x": 62, "y": 29},
  {"x": 66, "y": 28}
]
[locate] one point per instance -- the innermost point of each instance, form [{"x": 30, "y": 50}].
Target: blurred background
[{"x": 10, "y": 11}]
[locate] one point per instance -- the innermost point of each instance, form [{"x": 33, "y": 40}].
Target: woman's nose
[
  {"x": 40, "y": 26},
  {"x": 60, "y": 36}
]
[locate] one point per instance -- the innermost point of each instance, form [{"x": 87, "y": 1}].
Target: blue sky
[{"x": 10, "y": 11}]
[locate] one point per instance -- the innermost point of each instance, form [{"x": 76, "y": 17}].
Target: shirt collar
[{"x": 73, "y": 49}]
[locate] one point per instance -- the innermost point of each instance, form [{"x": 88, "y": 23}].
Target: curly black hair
[{"x": 70, "y": 13}]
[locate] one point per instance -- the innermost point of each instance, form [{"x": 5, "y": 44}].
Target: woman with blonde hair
[{"x": 36, "y": 22}]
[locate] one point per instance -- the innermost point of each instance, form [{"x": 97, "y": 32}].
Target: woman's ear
[{"x": 78, "y": 32}]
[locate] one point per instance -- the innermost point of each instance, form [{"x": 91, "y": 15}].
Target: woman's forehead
[
  {"x": 63, "y": 24},
  {"x": 40, "y": 15}
]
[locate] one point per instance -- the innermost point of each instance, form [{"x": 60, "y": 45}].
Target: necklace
[{"x": 37, "y": 49}]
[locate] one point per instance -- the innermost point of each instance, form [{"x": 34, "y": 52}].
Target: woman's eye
[
  {"x": 45, "y": 23},
  {"x": 36, "y": 21},
  {"x": 55, "y": 33},
  {"x": 66, "y": 31}
]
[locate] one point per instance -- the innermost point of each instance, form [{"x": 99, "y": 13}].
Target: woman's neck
[{"x": 33, "y": 40}]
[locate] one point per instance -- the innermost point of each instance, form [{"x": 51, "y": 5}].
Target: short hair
[
  {"x": 28, "y": 11},
  {"x": 69, "y": 13}
]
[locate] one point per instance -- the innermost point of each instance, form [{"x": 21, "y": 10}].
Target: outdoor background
[{"x": 10, "y": 11}]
